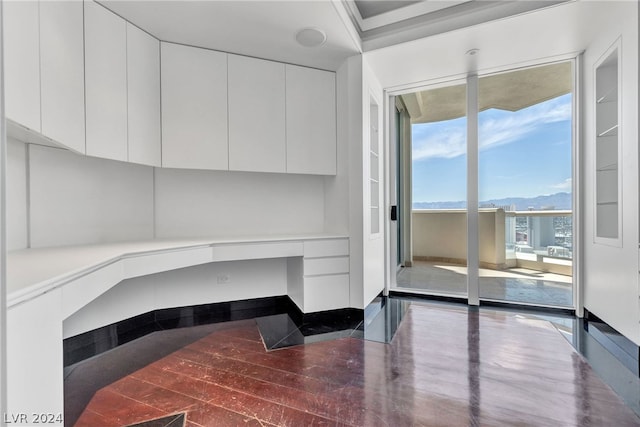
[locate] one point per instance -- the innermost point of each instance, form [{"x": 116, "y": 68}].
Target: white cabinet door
[
  {"x": 106, "y": 82},
  {"x": 143, "y": 85},
  {"x": 256, "y": 115},
  {"x": 22, "y": 62},
  {"x": 311, "y": 121},
  {"x": 194, "y": 108},
  {"x": 62, "y": 72}
]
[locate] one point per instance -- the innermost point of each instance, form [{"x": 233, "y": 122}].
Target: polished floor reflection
[
  {"x": 446, "y": 365},
  {"x": 517, "y": 285}
]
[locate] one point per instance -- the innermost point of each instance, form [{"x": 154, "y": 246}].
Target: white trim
[
  {"x": 343, "y": 9},
  {"x": 576, "y": 184},
  {"x": 3, "y": 236}
]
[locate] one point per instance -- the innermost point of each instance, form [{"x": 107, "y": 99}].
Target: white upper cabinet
[
  {"x": 62, "y": 72},
  {"x": 194, "y": 108},
  {"x": 256, "y": 115},
  {"x": 106, "y": 82},
  {"x": 311, "y": 121},
  {"x": 143, "y": 84},
  {"x": 22, "y": 62}
]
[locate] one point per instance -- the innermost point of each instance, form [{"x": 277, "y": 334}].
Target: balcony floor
[{"x": 517, "y": 285}]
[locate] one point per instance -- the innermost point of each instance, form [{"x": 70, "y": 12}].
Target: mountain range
[{"x": 557, "y": 201}]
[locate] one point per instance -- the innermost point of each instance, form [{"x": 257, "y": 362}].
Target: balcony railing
[{"x": 537, "y": 240}]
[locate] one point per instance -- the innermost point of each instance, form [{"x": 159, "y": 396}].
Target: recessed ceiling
[
  {"x": 262, "y": 29},
  {"x": 385, "y": 23},
  {"x": 376, "y": 14}
]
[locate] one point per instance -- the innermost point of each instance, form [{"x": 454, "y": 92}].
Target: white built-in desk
[{"x": 47, "y": 285}]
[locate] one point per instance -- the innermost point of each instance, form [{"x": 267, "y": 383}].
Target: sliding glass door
[{"x": 519, "y": 158}]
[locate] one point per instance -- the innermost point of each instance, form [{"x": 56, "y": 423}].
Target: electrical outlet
[{"x": 224, "y": 278}]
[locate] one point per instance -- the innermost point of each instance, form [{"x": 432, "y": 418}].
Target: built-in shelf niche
[
  {"x": 374, "y": 167},
  {"x": 607, "y": 150}
]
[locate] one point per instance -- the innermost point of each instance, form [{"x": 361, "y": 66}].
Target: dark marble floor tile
[
  {"x": 328, "y": 321},
  {"x": 276, "y": 329},
  {"x": 382, "y": 326},
  {"x": 280, "y": 331},
  {"x": 624, "y": 350},
  {"x": 176, "y": 420}
]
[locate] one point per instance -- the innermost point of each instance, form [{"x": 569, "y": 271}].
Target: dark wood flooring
[{"x": 444, "y": 367}]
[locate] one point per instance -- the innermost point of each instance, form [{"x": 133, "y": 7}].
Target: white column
[{"x": 473, "y": 252}]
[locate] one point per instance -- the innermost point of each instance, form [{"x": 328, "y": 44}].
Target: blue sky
[{"x": 525, "y": 153}]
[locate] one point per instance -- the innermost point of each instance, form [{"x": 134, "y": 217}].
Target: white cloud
[
  {"x": 564, "y": 185},
  {"x": 450, "y": 142},
  {"x": 447, "y": 144}
]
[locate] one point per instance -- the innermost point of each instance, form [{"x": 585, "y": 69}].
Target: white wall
[
  {"x": 17, "y": 237},
  {"x": 56, "y": 198},
  {"x": 76, "y": 199},
  {"x": 611, "y": 272},
  {"x": 178, "y": 288},
  {"x": 193, "y": 203}
]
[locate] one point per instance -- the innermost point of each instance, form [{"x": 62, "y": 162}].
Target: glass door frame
[{"x": 473, "y": 283}]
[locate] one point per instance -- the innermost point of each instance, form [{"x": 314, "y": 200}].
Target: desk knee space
[{"x": 48, "y": 285}]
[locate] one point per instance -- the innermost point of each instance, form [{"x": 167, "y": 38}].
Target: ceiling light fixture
[{"x": 311, "y": 37}]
